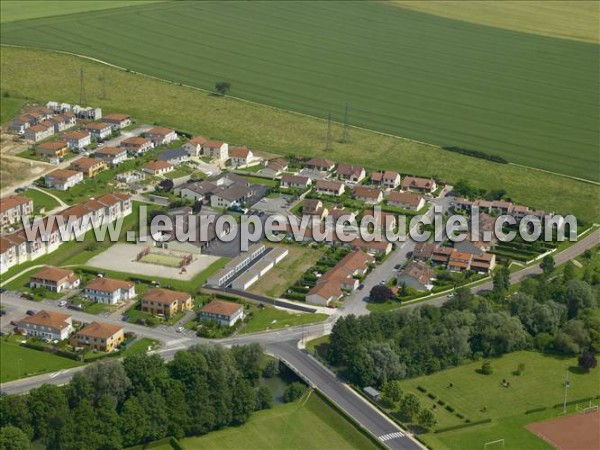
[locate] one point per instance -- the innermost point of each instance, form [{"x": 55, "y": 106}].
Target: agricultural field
[
  {"x": 530, "y": 99},
  {"x": 478, "y": 397},
  {"x": 286, "y": 426},
  {"x": 571, "y": 19},
  {"x": 45, "y": 75},
  {"x": 11, "y": 10}
]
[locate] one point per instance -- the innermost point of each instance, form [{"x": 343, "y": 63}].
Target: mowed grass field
[
  {"x": 477, "y": 396},
  {"x": 39, "y": 75},
  {"x": 304, "y": 424},
  {"x": 19, "y": 362},
  {"x": 528, "y": 98}
]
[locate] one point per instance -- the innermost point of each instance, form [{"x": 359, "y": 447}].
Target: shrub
[
  {"x": 431, "y": 396},
  {"x": 421, "y": 388},
  {"x": 449, "y": 408},
  {"x": 293, "y": 391},
  {"x": 486, "y": 368}
]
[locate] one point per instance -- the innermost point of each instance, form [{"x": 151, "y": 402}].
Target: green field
[
  {"x": 19, "y": 362},
  {"x": 163, "y": 260},
  {"x": 41, "y": 200},
  {"x": 477, "y": 397},
  {"x": 529, "y": 98},
  {"x": 304, "y": 424},
  {"x": 11, "y": 10},
  {"x": 268, "y": 318},
  {"x": 46, "y": 75}
]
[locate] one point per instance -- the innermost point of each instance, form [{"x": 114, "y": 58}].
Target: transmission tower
[
  {"x": 345, "y": 137},
  {"x": 82, "y": 99},
  {"x": 328, "y": 144}
]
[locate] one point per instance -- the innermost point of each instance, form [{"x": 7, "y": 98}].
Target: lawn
[
  {"x": 9, "y": 107},
  {"x": 291, "y": 268},
  {"x": 304, "y": 424},
  {"x": 41, "y": 200},
  {"x": 45, "y": 75},
  {"x": 264, "y": 181},
  {"x": 477, "y": 397},
  {"x": 532, "y": 100},
  {"x": 269, "y": 318},
  {"x": 163, "y": 260},
  {"x": 18, "y": 362},
  {"x": 139, "y": 346}
]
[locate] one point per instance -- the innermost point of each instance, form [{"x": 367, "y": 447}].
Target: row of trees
[
  {"x": 111, "y": 405},
  {"x": 554, "y": 312},
  {"x": 409, "y": 405}
]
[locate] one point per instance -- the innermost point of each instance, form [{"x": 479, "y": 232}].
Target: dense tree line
[
  {"x": 553, "y": 312},
  {"x": 111, "y": 405}
]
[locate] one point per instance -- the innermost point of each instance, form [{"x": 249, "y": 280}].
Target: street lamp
[{"x": 567, "y": 386}]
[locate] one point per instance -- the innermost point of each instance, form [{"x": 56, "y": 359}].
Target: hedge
[
  {"x": 421, "y": 388},
  {"x": 534, "y": 410}
]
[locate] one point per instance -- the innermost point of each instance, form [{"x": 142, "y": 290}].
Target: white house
[
  {"x": 78, "y": 140},
  {"x": 158, "y": 168},
  {"x": 99, "y": 130},
  {"x": 47, "y": 325},
  {"x": 112, "y": 155},
  {"x": 240, "y": 156},
  {"x": 54, "y": 279},
  {"x": 161, "y": 136},
  {"x": 216, "y": 150},
  {"x": 406, "y": 200},
  {"x": 295, "y": 181},
  {"x": 117, "y": 121},
  {"x": 39, "y": 132},
  {"x": 63, "y": 179},
  {"x": 109, "y": 291}
]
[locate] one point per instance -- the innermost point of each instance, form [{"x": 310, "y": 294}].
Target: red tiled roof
[{"x": 222, "y": 308}]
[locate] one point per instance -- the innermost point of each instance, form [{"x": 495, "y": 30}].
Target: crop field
[{"x": 530, "y": 99}]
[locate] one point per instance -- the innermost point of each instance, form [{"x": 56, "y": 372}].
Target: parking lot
[{"x": 278, "y": 205}]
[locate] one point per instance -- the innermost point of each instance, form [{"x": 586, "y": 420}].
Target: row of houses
[
  {"x": 56, "y": 326},
  {"x": 14, "y": 209},
  {"x": 463, "y": 256},
  {"x": 16, "y": 247},
  {"x": 343, "y": 277},
  {"x": 500, "y": 207},
  {"x": 223, "y": 191}
]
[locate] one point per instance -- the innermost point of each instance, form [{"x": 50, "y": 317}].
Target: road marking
[
  {"x": 55, "y": 374},
  {"x": 389, "y": 436}
]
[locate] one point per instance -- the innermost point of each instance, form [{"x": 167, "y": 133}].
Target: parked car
[
  {"x": 62, "y": 303},
  {"x": 30, "y": 312},
  {"x": 2, "y": 312},
  {"x": 361, "y": 287},
  {"x": 397, "y": 266},
  {"x": 180, "y": 329}
]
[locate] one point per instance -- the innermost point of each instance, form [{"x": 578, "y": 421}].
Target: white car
[
  {"x": 180, "y": 329},
  {"x": 62, "y": 303}
]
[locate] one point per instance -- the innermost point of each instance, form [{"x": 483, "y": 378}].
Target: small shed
[{"x": 373, "y": 393}]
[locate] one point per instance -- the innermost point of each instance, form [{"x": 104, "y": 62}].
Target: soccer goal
[
  {"x": 584, "y": 408},
  {"x": 498, "y": 443}
]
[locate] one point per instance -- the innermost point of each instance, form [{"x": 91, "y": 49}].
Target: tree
[
  {"x": 264, "y": 398},
  {"x": 548, "y": 265},
  {"x": 222, "y": 87},
  {"x": 392, "y": 391},
  {"x": 244, "y": 401},
  {"x": 501, "y": 281},
  {"x": 134, "y": 423},
  {"x": 13, "y": 438},
  {"x": 410, "y": 406},
  {"x": 579, "y": 296},
  {"x": 568, "y": 272},
  {"x": 248, "y": 360},
  {"x": 486, "y": 368},
  {"x": 381, "y": 293},
  {"x": 166, "y": 185},
  {"x": 293, "y": 391},
  {"x": 426, "y": 419},
  {"x": 146, "y": 372},
  {"x": 45, "y": 404},
  {"x": 587, "y": 361},
  {"x": 271, "y": 368},
  {"x": 108, "y": 378}
]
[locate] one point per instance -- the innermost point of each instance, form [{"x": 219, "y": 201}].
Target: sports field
[
  {"x": 305, "y": 424},
  {"x": 45, "y": 75},
  {"x": 528, "y": 98},
  {"x": 477, "y": 397},
  {"x": 163, "y": 260},
  {"x": 579, "y": 431}
]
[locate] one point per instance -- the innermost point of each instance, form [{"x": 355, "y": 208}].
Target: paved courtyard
[{"x": 121, "y": 257}]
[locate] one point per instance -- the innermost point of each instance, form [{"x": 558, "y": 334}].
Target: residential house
[
  {"x": 89, "y": 166},
  {"x": 78, "y": 140},
  {"x": 47, "y": 325},
  {"x": 314, "y": 207},
  {"x": 227, "y": 196},
  {"x": 418, "y": 184},
  {"x": 112, "y": 155},
  {"x": 375, "y": 247},
  {"x": 195, "y": 146},
  {"x": 174, "y": 156},
  {"x": 165, "y": 302},
  {"x": 338, "y": 213},
  {"x": 483, "y": 263},
  {"x": 55, "y": 149},
  {"x": 350, "y": 172},
  {"x": 62, "y": 123},
  {"x": 295, "y": 181},
  {"x": 15, "y": 208},
  {"x": 387, "y": 179},
  {"x": 321, "y": 164},
  {"x": 117, "y": 121},
  {"x": 99, "y": 130},
  {"x": 417, "y": 275},
  {"x": 63, "y": 179},
  {"x": 324, "y": 294},
  {"x": 329, "y": 187},
  {"x": 87, "y": 113},
  {"x": 137, "y": 145},
  {"x": 217, "y": 150},
  {"x": 368, "y": 195},
  {"x": 54, "y": 279},
  {"x": 39, "y": 132},
  {"x": 20, "y": 124},
  {"x": 240, "y": 156},
  {"x": 459, "y": 261},
  {"x": 423, "y": 251},
  {"x": 441, "y": 255},
  {"x": 405, "y": 200},
  {"x": 384, "y": 220},
  {"x": 225, "y": 313},
  {"x": 157, "y": 168},
  {"x": 13, "y": 250},
  {"x": 102, "y": 337},
  {"x": 274, "y": 167},
  {"x": 161, "y": 136},
  {"x": 109, "y": 291}
]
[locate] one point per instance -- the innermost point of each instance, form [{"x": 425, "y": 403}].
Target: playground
[{"x": 151, "y": 261}]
